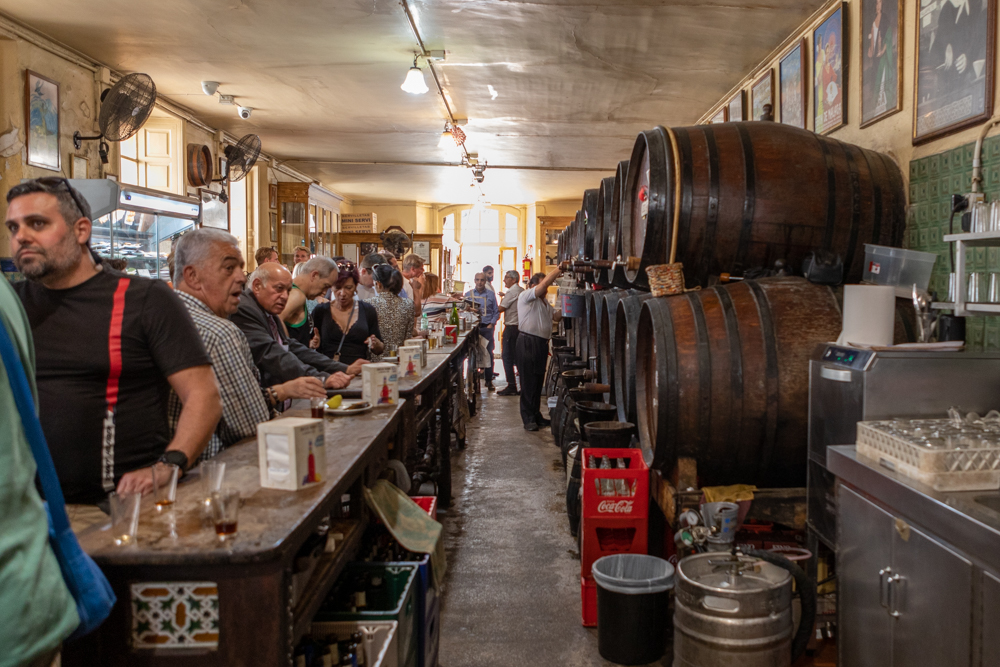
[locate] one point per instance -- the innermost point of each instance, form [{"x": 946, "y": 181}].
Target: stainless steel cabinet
[{"x": 905, "y": 598}]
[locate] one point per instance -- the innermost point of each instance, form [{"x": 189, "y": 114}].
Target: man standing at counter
[
  {"x": 110, "y": 348},
  {"x": 280, "y": 358},
  {"x": 209, "y": 280},
  {"x": 366, "y": 285},
  {"x": 534, "y": 316},
  {"x": 508, "y": 306},
  {"x": 488, "y": 321},
  {"x": 314, "y": 278}
]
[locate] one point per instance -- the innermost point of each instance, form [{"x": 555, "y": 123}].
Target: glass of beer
[
  {"x": 124, "y": 517},
  {"x": 225, "y": 512},
  {"x": 165, "y": 476}
]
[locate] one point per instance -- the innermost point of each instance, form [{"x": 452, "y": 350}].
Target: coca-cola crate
[
  {"x": 615, "y": 492},
  {"x": 588, "y": 602},
  {"x": 603, "y": 537}
]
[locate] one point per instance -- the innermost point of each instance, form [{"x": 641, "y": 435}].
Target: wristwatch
[{"x": 175, "y": 457}]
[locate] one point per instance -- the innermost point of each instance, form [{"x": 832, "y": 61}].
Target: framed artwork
[
  {"x": 78, "y": 166},
  {"x": 41, "y": 96},
  {"x": 955, "y": 47},
  {"x": 272, "y": 196},
  {"x": 736, "y": 107},
  {"x": 792, "y": 86},
  {"x": 761, "y": 93},
  {"x": 881, "y": 60},
  {"x": 719, "y": 117},
  {"x": 274, "y": 226},
  {"x": 829, "y": 72}
]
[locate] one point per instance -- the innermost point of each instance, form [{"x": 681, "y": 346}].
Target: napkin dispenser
[{"x": 291, "y": 452}]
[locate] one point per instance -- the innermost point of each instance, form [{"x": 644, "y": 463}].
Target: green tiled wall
[{"x": 933, "y": 180}]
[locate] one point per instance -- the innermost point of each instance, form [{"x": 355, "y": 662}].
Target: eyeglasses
[{"x": 51, "y": 185}]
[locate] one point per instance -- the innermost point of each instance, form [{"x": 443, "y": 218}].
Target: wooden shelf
[{"x": 329, "y": 568}]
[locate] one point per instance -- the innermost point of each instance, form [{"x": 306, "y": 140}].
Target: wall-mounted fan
[
  {"x": 240, "y": 159},
  {"x": 396, "y": 241},
  {"x": 125, "y": 107}
]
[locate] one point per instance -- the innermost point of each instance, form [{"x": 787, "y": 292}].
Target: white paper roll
[{"x": 869, "y": 315}]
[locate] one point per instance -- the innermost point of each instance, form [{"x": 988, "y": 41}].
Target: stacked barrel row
[{"x": 720, "y": 373}]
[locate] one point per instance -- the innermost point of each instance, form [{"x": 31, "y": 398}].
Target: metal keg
[{"x": 732, "y": 610}]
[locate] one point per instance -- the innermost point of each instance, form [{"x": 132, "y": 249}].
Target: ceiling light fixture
[{"x": 414, "y": 82}]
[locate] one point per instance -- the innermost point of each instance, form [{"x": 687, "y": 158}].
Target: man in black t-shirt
[{"x": 109, "y": 348}]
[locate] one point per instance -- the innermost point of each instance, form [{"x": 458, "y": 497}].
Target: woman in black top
[{"x": 344, "y": 313}]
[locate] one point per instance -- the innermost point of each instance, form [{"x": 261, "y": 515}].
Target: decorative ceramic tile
[{"x": 175, "y": 615}]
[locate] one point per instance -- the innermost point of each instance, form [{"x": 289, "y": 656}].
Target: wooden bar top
[{"x": 270, "y": 520}]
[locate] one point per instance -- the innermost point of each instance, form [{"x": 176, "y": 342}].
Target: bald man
[{"x": 280, "y": 358}]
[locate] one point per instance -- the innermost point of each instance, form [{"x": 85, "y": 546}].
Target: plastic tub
[
  {"x": 898, "y": 267},
  {"x": 633, "y": 607}
]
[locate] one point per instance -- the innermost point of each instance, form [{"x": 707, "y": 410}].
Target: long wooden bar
[{"x": 242, "y": 592}]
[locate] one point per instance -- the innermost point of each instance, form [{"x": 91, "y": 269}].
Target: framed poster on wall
[
  {"x": 736, "y": 107},
  {"x": 881, "y": 60},
  {"x": 792, "y": 86},
  {"x": 41, "y": 102},
  {"x": 762, "y": 93},
  {"x": 955, "y": 47},
  {"x": 829, "y": 72}
]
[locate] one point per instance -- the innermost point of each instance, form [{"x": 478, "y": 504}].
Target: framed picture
[
  {"x": 829, "y": 72},
  {"x": 719, "y": 117},
  {"x": 274, "y": 227},
  {"x": 78, "y": 166},
  {"x": 761, "y": 93},
  {"x": 881, "y": 60},
  {"x": 955, "y": 48},
  {"x": 736, "y": 107},
  {"x": 41, "y": 97},
  {"x": 272, "y": 196},
  {"x": 792, "y": 86}
]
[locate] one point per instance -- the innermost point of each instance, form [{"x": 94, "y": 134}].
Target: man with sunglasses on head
[{"x": 109, "y": 348}]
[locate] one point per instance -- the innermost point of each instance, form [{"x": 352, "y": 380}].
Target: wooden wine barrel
[
  {"x": 626, "y": 325},
  {"x": 722, "y": 376},
  {"x": 735, "y": 196},
  {"x": 603, "y": 228},
  {"x": 588, "y": 220},
  {"x": 614, "y": 233},
  {"x": 606, "y": 338}
]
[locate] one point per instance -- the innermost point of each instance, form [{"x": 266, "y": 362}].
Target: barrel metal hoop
[
  {"x": 704, "y": 371},
  {"x": 750, "y": 198},
  {"x": 736, "y": 369},
  {"x": 876, "y": 229},
  {"x": 664, "y": 444},
  {"x": 852, "y": 167},
  {"x": 683, "y": 218},
  {"x": 771, "y": 357},
  {"x": 831, "y": 193},
  {"x": 712, "y": 220}
]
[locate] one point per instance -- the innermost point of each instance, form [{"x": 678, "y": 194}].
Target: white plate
[{"x": 343, "y": 411}]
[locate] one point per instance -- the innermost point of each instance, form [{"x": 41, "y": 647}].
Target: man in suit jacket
[{"x": 279, "y": 357}]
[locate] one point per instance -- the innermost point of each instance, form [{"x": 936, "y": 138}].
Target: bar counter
[{"x": 237, "y": 602}]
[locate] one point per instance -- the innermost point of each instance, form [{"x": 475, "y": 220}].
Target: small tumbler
[
  {"x": 225, "y": 512},
  {"x": 165, "y": 476},
  {"x": 124, "y": 517}
]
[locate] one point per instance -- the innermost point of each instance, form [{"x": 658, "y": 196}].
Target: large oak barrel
[
  {"x": 614, "y": 233},
  {"x": 626, "y": 325},
  {"x": 594, "y": 312},
  {"x": 606, "y": 338},
  {"x": 722, "y": 376},
  {"x": 603, "y": 228},
  {"x": 737, "y": 196}
]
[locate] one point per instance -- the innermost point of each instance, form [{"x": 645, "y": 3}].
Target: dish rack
[{"x": 945, "y": 454}]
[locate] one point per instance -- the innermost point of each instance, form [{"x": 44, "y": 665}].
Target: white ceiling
[{"x": 575, "y": 82}]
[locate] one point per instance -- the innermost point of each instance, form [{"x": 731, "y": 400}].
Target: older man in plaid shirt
[{"x": 209, "y": 278}]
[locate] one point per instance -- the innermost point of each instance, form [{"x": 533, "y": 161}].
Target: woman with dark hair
[
  {"x": 345, "y": 314},
  {"x": 395, "y": 314}
]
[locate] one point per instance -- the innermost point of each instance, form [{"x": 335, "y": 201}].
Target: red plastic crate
[
  {"x": 428, "y": 503},
  {"x": 588, "y": 602},
  {"x": 633, "y": 505},
  {"x": 603, "y": 537}
]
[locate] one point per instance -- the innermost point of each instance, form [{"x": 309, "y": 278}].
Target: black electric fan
[
  {"x": 240, "y": 159},
  {"x": 125, "y": 107},
  {"x": 396, "y": 242}
]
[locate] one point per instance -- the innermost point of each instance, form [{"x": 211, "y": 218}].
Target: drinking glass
[
  {"x": 165, "y": 476},
  {"x": 977, "y": 287},
  {"x": 124, "y": 517},
  {"x": 994, "y": 292},
  {"x": 317, "y": 407},
  {"x": 952, "y": 288},
  {"x": 212, "y": 474},
  {"x": 225, "y": 512}
]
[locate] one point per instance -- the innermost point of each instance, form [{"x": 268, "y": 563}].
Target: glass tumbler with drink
[
  {"x": 317, "y": 407},
  {"x": 165, "y": 476},
  {"x": 225, "y": 512},
  {"x": 124, "y": 517},
  {"x": 212, "y": 474}
]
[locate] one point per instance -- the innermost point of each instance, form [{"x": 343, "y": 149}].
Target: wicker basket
[{"x": 666, "y": 279}]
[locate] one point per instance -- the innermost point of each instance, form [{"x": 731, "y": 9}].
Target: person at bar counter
[
  {"x": 366, "y": 279},
  {"x": 346, "y": 314},
  {"x": 534, "y": 316},
  {"x": 508, "y": 307},
  {"x": 278, "y": 357},
  {"x": 413, "y": 284},
  {"x": 488, "y": 320},
  {"x": 395, "y": 314},
  {"x": 314, "y": 278},
  {"x": 488, "y": 272},
  {"x": 300, "y": 254},
  {"x": 37, "y": 611},
  {"x": 110, "y": 347},
  {"x": 265, "y": 255},
  {"x": 209, "y": 281}
]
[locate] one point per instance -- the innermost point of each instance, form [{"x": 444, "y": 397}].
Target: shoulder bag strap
[
  {"x": 336, "y": 356},
  {"x": 111, "y": 395}
]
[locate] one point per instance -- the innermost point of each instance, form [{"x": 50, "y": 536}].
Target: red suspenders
[{"x": 114, "y": 373}]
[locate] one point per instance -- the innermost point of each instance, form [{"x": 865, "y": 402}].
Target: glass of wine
[
  {"x": 225, "y": 512},
  {"x": 124, "y": 517},
  {"x": 165, "y": 476}
]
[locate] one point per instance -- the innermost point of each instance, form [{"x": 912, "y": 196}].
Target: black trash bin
[{"x": 633, "y": 607}]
